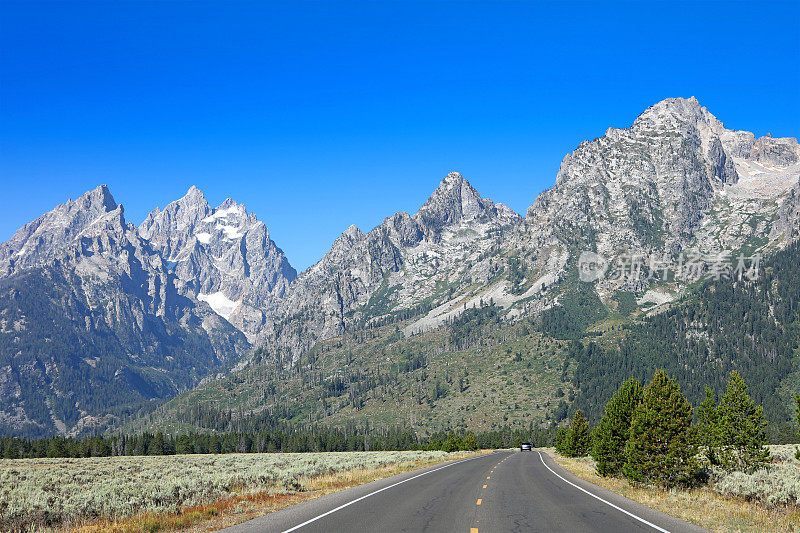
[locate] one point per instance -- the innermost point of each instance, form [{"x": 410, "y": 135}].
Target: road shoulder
[{"x": 665, "y": 521}]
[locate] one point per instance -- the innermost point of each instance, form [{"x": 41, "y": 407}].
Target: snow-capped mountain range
[{"x": 139, "y": 313}]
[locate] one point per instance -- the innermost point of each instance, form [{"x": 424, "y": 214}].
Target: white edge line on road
[
  {"x": 642, "y": 520},
  {"x": 323, "y": 515}
]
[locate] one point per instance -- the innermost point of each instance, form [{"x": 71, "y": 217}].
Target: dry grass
[
  {"x": 700, "y": 506},
  {"x": 239, "y": 508}
]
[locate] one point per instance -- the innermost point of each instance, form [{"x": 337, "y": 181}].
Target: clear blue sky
[{"x": 320, "y": 115}]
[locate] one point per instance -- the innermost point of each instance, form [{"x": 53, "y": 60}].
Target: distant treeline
[{"x": 318, "y": 439}]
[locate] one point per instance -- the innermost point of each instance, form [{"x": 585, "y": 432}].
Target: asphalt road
[{"x": 499, "y": 492}]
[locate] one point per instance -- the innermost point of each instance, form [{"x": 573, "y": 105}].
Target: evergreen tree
[
  {"x": 797, "y": 401},
  {"x": 184, "y": 444},
  {"x": 708, "y": 433},
  {"x": 660, "y": 448},
  {"x": 561, "y": 441},
  {"x": 741, "y": 439},
  {"x": 453, "y": 443},
  {"x": 470, "y": 442},
  {"x": 578, "y": 438},
  {"x": 57, "y": 447},
  {"x": 608, "y": 444}
]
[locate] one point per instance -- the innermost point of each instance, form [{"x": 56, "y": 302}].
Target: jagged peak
[
  {"x": 453, "y": 177},
  {"x": 232, "y": 207},
  {"x": 100, "y": 196},
  {"x": 683, "y": 110},
  {"x": 353, "y": 233},
  {"x": 193, "y": 197},
  {"x": 680, "y": 105},
  {"x": 453, "y": 186},
  {"x": 343, "y": 242},
  {"x": 195, "y": 192},
  {"x": 193, "y": 200},
  {"x": 228, "y": 203},
  {"x": 451, "y": 181},
  {"x": 504, "y": 211},
  {"x": 57, "y": 228},
  {"x": 453, "y": 200},
  {"x": 190, "y": 207}
]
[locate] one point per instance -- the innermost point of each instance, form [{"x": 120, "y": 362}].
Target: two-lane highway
[{"x": 503, "y": 491}]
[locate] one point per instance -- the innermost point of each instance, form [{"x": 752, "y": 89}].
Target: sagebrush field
[{"x": 64, "y": 492}]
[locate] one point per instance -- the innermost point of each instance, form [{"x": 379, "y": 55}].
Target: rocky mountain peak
[
  {"x": 85, "y": 274},
  {"x": 231, "y": 203},
  {"x": 656, "y": 185},
  {"x": 353, "y": 233},
  {"x": 454, "y": 200},
  {"x": 177, "y": 215},
  {"x": 680, "y": 115},
  {"x": 504, "y": 211},
  {"x": 222, "y": 256},
  {"x": 343, "y": 244},
  {"x": 98, "y": 199},
  {"x": 40, "y": 240},
  {"x": 451, "y": 185},
  {"x": 195, "y": 192}
]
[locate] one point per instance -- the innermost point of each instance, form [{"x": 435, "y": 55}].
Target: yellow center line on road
[{"x": 479, "y": 501}]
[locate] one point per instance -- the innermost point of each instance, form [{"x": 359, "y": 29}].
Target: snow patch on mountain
[
  {"x": 230, "y": 232},
  {"x": 221, "y": 304}
]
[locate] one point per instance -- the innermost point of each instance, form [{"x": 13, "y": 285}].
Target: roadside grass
[
  {"x": 702, "y": 506},
  {"x": 239, "y": 501}
]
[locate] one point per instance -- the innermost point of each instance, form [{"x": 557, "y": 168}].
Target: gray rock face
[
  {"x": 676, "y": 180},
  {"x": 222, "y": 256},
  {"x": 92, "y": 323},
  {"x": 646, "y": 186},
  {"x": 787, "y": 225},
  {"x": 39, "y": 241},
  {"x": 649, "y": 187},
  {"x": 394, "y": 267},
  {"x": 454, "y": 201}
]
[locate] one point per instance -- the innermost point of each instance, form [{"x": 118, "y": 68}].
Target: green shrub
[
  {"x": 453, "y": 443},
  {"x": 779, "y": 485}
]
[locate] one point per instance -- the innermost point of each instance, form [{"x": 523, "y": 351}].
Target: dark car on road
[{"x": 525, "y": 447}]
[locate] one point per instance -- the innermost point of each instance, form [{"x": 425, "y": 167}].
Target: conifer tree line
[
  {"x": 317, "y": 439},
  {"x": 647, "y": 433}
]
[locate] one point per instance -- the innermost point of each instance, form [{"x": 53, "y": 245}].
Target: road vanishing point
[{"x": 498, "y": 492}]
